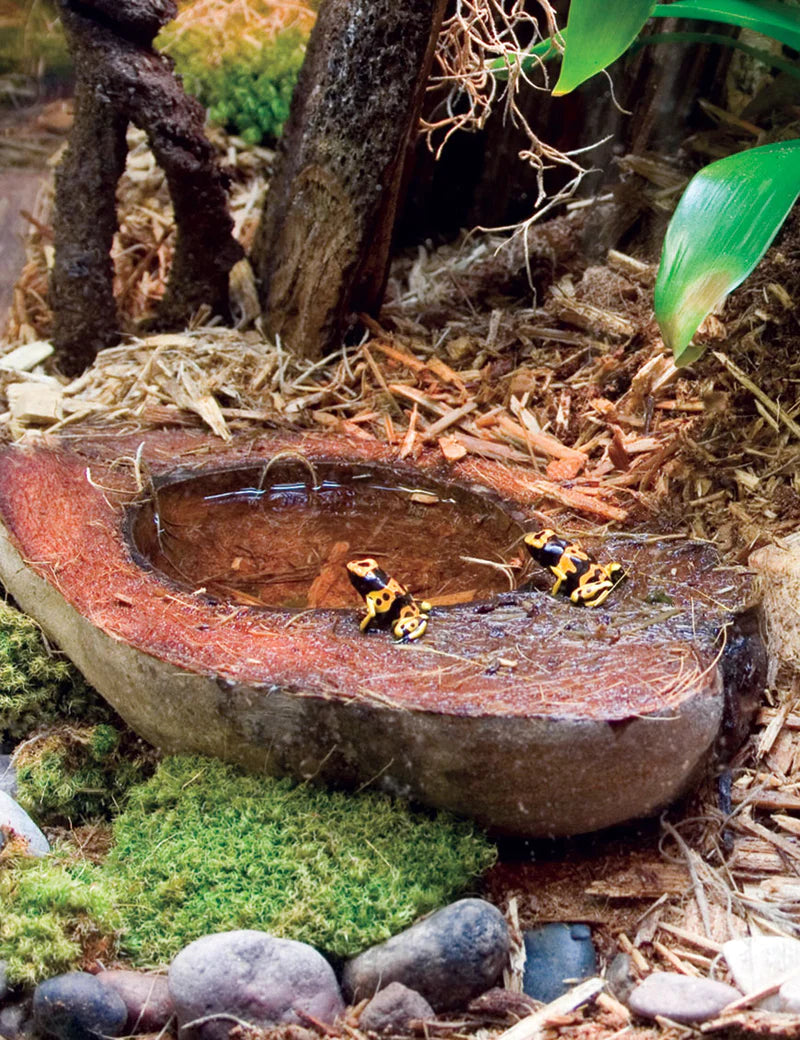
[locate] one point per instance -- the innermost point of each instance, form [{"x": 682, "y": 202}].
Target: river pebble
[
  {"x": 450, "y": 957},
  {"x": 75, "y": 1006},
  {"x": 15, "y": 818},
  {"x": 250, "y": 976},
  {"x": 680, "y": 997},
  {"x": 15, "y": 1020},
  {"x": 146, "y": 998},
  {"x": 393, "y": 1008},
  {"x": 620, "y": 977},
  {"x": 557, "y": 956},
  {"x": 761, "y": 960}
]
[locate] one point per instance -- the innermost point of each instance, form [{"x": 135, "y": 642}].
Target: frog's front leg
[
  {"x": 372, "y": 613},
  {"x": 561, "y": 577}
]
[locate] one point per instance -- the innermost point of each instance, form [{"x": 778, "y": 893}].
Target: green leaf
[
  {"x": 723, "y": 225},
  {"x": 597, "y": 34},
  {"x": 770, "y": 17}
]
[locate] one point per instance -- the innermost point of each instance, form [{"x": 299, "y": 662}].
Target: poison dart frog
[
  {"x": 577, "y": 575},
  {"x": 389, "y": 605}
]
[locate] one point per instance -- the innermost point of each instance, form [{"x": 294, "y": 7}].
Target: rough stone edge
[{"x": 532, "y": 778}]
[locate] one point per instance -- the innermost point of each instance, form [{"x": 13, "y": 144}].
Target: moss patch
[
  {"x": 248, "y": 87},
  {"x": 54, "y": 913},
  {"x": 204, "y": 847},
  {"x": 80, "y": 773},
  {"x": 36, "y": 686}
]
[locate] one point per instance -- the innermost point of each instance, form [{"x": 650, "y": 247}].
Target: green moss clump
[
  {"x": 37, "y": 687},
  {"x": 80, "y": 773},
  {"x": 248, "y": 89},
  {"x": 53, "y": 912},
  {"x": 205, "y": 847}
]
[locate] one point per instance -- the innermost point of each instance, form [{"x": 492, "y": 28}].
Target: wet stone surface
[
  {"x": 557, "y": 956},
  {"x": 450, "y": 957},
  {"x": 76, "y": 1006},
  {"x": 393, "y": 1008},
  {"x": 252, "y": 976},
  {"x": 680, "y": 998},
  {"x": 146, "y": 998}
]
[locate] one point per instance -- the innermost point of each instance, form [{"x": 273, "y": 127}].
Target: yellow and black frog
[
  {"x": 389, "y": 605},
  {"x": 578, "y": 575}
]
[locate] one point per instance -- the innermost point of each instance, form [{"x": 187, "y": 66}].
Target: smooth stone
[
  {"x": 14, "y": 817},
  {"x": 393, "y": 1008},
  {"x": 789, "y": 995},
  {"x": 620, "y": 978},
  {"x": 680, "y": 997},
  {"x": 145, "y": 996},
  {"x": 75, "y": 1006},
  {"x": 14, "y": 1020},
  {"x": 8, "y": 776},
  {"x": 760, "y": 960},
  {"x": 557, "y": 956},
  {"x": 251, "y": 976},
  {"x": 450, "y": 957}
]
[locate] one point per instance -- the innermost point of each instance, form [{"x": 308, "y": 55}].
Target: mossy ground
[
  {"x": 55, "y": 910},
  {"x": 38, "y": 686},
  {"x": 204, "y": 847},
  {"x": 77, "y": 773}
]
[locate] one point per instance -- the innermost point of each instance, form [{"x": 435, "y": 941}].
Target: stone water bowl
[{"x": 201, "y": 588}]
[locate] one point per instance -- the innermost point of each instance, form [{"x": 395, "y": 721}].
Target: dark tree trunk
[
  {"x": 120, "y": 78},
  {"x": 322, "y": 248},
  {"x": 85, "y": 219}
]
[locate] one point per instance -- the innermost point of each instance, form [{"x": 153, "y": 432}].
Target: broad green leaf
[
  {"x": 770, "y": 17},
  {"x": 597, "y": 34},
  {"x": 727, "y": 217}
]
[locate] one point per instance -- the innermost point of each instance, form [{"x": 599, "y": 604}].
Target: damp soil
[{"x": 270, "y": 539}]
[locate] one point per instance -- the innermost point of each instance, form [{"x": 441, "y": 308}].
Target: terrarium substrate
[{"x": 574, "y": 384}]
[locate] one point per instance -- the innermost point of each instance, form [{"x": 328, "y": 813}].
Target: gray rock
[
  {"x": 8, "y": 776},
  {"x": 14, "y": 817},
  {"x": 15, "y": 1020},
  {"x": 393, "y": 1008},
  {"x": 76, "y": 1006},
  {"x": 145, "y": 996},
  {"x": 620, "y": 978},
  {"x": 557, "y": 956},
  {"x": 4, "y": 987},
  {"x": 253, "y": 977},
  {"x": 680, "y": 998},
  {"x": 450, "y": 957},
  {"x": 759, "y": 961}
]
